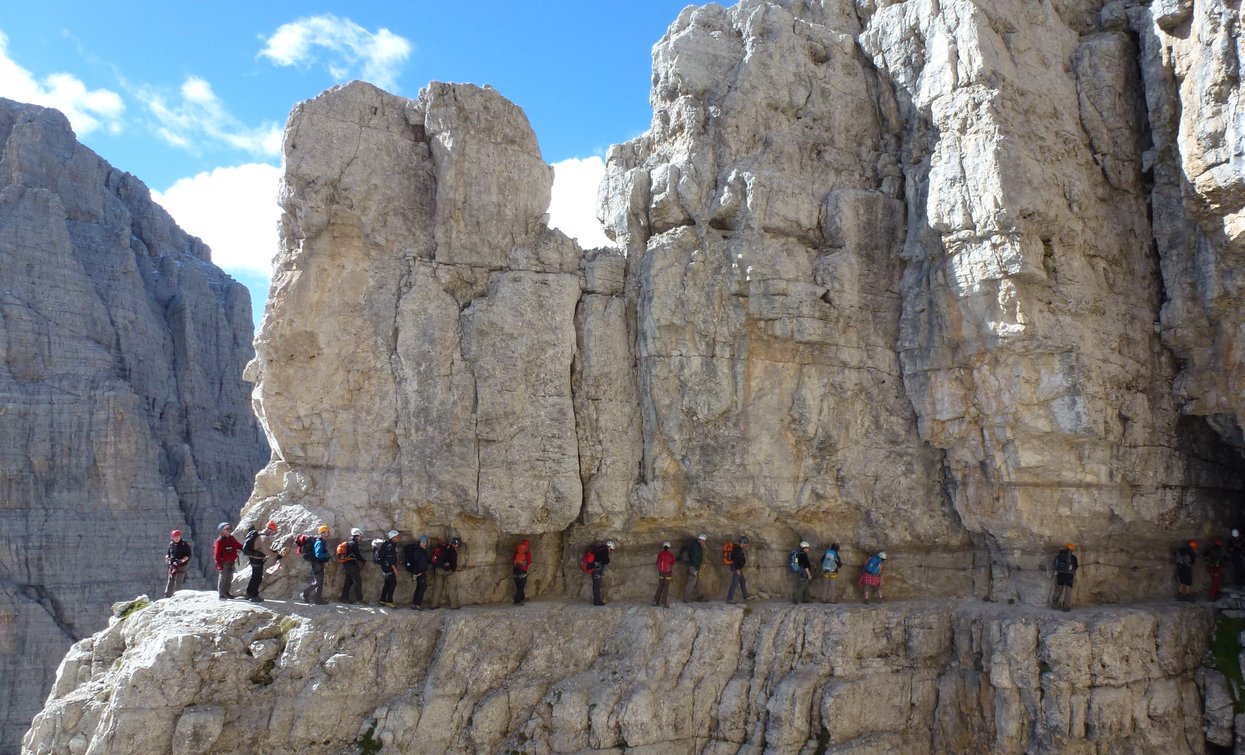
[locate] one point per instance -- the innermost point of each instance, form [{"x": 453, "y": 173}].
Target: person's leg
[
  {"x": 257, "y": 575},
  {"x": 451, "y": 589},
  {"x": 421, "y": 585},
  {"x": 170, "y": 586},
  {"x": 689, "y": 590},
  {"x": 319, "y": 579},
  {"x": 743, "y": 586},
  {"x": 596, "y": 589},
  {"x": 730, "y": 591}
]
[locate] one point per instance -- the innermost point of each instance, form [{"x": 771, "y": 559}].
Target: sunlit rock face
[
  {"x": 123, "y": 413},
  {"x": 192, "y": 675}
]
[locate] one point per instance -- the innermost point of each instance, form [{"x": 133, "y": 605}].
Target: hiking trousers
[
  {"x": 353, "y": 587},
  {"x": 176, "y": 578},
  {"x": 1063, "y": 597},
  {"x": 598, "y": 576},
  {"x": 257, "y": 576},
  {"x": 737, "y": 580},
  {"x": 662, "y": 597},
  {"x": 314, "y": 592},
  {"x": 421, "y": 585},
  {"x": 224, "y": 580},
  {"x": 520, "y": 588},
  {"x": 443, "y": 590},
  {"x": 801, "y": 594},
  {"x": 391, "y": 582},
  {"x": 830, "y": 589},
  {"x": 691, "y": 590}
]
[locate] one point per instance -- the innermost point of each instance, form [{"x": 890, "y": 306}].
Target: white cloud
[
  {"x": 86, "y": 109},
  {"x": 573, "y": 202},
  {"x": 200, "y": 115},
  {"x": 378, "y": 57},
  {"x": 234, "y": 210}
]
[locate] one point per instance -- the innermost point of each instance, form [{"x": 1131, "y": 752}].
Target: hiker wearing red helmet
[
  {"x": 178, "y": 559},
  {"x": 1186, "y": 556}
]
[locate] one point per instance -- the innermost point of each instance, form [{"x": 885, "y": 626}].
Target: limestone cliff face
[
  {"x": 122, "y": 410},
  {"x": 191, "y": 675},
  {"x": 958, "y": 280}
]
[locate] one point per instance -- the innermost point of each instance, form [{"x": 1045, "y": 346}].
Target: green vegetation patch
[
  {"x": 134, "y": 608},
  {"x": 367, "y": 744},
  {"x": 1225, "y": 655}
]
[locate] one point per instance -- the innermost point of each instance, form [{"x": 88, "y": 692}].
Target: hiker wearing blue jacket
[
  {"x": 831, "y": 565},
  {"x": 314, "y": 592}
]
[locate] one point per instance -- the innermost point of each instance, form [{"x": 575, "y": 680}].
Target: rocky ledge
[{"x": 193, "y": 674}]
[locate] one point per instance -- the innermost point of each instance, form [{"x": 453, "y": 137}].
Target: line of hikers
[{"x": 436, "y": 565}]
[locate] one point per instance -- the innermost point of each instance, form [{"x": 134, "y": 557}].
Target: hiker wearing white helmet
[
  {"x": 387, "y": 558},
  {"x": 803, "y": 569},
  {"x": 177, "y": 557},
  {"x": 665, "y": 574},
  {"x": 693, "y": 554},
  {"x": 350, "y": 555},
  {"x": 600, "y": 553},
  {"x": 871, "y": 575}
]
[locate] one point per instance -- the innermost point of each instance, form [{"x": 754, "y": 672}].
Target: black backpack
[
  {"x": 306, "y": 547},
  {"x": 248, "y": 545},
  {"x": 1063, "y": 562}
]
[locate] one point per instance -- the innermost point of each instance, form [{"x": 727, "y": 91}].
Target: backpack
[
  {"x": 306, "y": 547},
  {"x": 830, "y": 561},
  {"x": 1183, "y": 557},
  {"x": 873, "y": 565},
  {"x": 343, "y": 552},
  {"x": 248, "y": 545},
  {"x": 438, "y": 556},
  {"x": 1063, "y": 562},
  {"x": 728, "y": 553},
  {"x": 377, "y": 544},
  {"x": 588, "y": 561},
  {"x": 793, "y": 561}
]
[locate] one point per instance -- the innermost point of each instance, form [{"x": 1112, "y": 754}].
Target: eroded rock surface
[
  {"x": 192, "y": 675},
  {"x": 123, "y": 413}
]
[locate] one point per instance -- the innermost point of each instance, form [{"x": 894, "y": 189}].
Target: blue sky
[{"x": 192, "y": 97}]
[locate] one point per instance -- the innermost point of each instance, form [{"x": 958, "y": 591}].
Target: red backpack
[{"x": 588, "y": 561}]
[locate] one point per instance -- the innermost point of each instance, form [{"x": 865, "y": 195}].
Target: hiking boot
[
  {"x": 256, "y": 599},
  {"x": 388, "y": 605}
]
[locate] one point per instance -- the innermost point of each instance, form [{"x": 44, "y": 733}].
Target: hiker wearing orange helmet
[
  {"x": 1065, "y": 573},
  {"x": 178, "y": 559},
  {"x": 1186, "y": 556}
]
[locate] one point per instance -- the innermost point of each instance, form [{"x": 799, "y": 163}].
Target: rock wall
[
  {"x": 191, "y": 675},
  {"x": 122, "y": 410}
]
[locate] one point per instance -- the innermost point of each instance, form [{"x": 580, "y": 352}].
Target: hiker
[
  {"x": 521, "y": 562},
  {"x": 803, "y": 574},
  {"x": 350, "y": 555},
  {"x": 225, "y": 552},
  {"x": 415, "y": 559},
  {"x": 317, "y": 554},
  {"x": 831, "y": 565},
  {"x": 871, "y": 576},
  {"x": 1216, "y": 556},
  {"x": 693, "y": 554},
  {"x": 1186, "y": 557},
  {"x": 257, "y": 547},
  {"x": 444, "y": 565},
  {"x": 738, "y": 559},
  {"x": 600, "y": 553},
  {"x": 1236, "y": 556},
  {"x": 1065, "y": 573},
  {"x": 178, "y": 558},
  {"x": 387, "y": 558},
  {"x": 665, "y": 574}
]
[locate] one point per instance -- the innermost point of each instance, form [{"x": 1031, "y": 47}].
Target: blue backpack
[
  {"x": 830, "y": 561},
  {"x": 793, "y": 561},
  {"x": 873, "y": 565}
]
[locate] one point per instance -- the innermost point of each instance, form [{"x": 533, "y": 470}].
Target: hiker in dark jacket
[
  {"x": 739, "y": 559},
  {"x": 694, "y": 557},
  {"x": 1186, "y": 556},
  {"x": 444, "y": 566},
  {"x": 600, "y": 560},
  {"x": 520, "y": 563},
  {"x": 261, "y": 551},
  {"x": 1236, "y": 556},
  {"x": 1065, "y": 573},
  {"x": 225, "y": 553},
  {"x": 804, "y": 577},
  {"x": 416, "y": 559},
  {"x": 352, "y": 568},
  {"x": 388, "y": 560},
  {"x": 178, "y": 559}
]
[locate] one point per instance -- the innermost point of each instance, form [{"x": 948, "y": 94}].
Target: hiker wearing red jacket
[
  {"x": 521, "y": 562},
  {"x": 225, "y": 552},
  {"x": 665, "y": 573}
]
